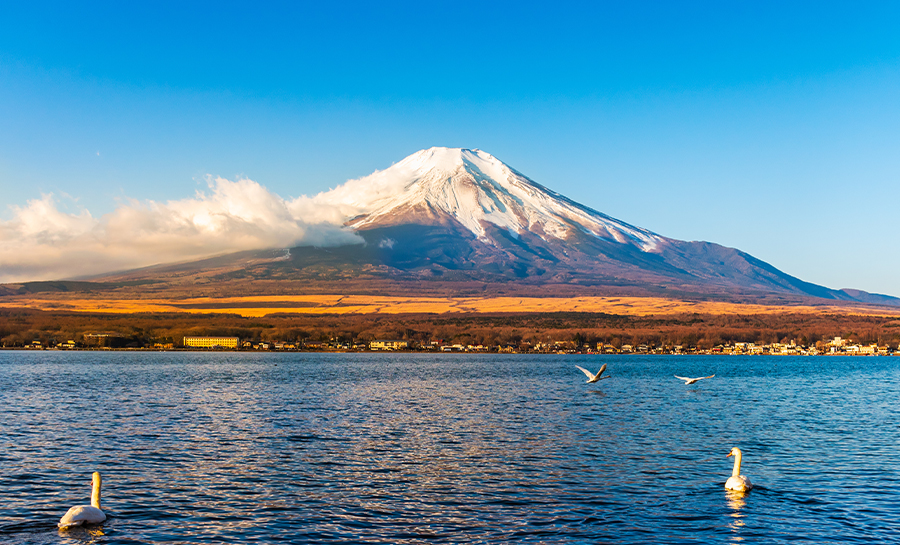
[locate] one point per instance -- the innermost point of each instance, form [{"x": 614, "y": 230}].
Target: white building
[{"x": 211, "y": 342}]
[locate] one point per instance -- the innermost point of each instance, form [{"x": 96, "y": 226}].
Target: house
[{"x": 869, "y": 350}]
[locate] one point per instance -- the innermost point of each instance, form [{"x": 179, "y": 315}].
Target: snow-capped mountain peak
[{"x": 475, "y": 189}]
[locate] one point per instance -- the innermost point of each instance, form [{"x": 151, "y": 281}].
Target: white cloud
[{"x": 43, "y": 242}]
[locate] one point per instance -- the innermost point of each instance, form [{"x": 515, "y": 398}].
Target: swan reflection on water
[
  {"x": 82, "y": 534},
  {"x": 736, "y": 503}
]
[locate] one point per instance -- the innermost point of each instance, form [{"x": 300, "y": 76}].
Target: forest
[{"x": 21, "y": 327}]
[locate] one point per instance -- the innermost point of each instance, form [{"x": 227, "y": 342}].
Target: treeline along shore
[{"x": 583, "y": 332}]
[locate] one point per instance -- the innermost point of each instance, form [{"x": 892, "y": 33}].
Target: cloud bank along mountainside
[{"x": 43, "y": 241}]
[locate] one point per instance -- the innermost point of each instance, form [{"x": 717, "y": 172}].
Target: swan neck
[
  {"x": 736, "y": 472},
  {"x": 95, "y": 493}
]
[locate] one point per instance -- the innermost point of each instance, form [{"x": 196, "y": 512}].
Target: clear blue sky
[{"x": 770, "y": 127}]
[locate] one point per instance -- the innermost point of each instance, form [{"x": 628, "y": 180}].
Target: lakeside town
[{"x": 106, "y": 341}]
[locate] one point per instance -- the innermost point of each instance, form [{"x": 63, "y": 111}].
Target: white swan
[
  {"x": 692, "y": 380},
  {"x": 85, "y": 514},
  {"x": 591, "y": 376},
  {"x": 737, "y": 481}
]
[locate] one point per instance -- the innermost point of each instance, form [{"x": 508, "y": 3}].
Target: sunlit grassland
[{"x": 258, "y": 306}]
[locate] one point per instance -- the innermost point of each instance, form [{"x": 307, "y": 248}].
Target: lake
[{"x": 430, "y": 448}]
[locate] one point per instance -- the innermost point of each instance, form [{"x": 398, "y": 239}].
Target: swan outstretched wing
[
  {"x": 688, "y": 380},
  {"x": 588, "y": 373},
  {"x": 602, "y": 368}
]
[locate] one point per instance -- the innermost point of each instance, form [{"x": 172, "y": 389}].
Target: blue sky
[{"x": 769, "y": 127}]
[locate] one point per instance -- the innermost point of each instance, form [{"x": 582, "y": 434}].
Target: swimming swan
[
  {"x": 85, "y": 514},
  {"x": 591, "y": 376},
  {"x": 737, "y": 481},
  {"x": 692, "y": 380}
]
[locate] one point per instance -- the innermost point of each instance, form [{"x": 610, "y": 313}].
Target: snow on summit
[{"x": 474, "y": 188}]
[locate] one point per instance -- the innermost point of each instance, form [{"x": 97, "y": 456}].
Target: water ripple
[{"x": 318, "y": 448}]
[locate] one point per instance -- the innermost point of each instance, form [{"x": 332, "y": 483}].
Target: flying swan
[
  {"x": 737, "y": 481},
  {"x": 692, "y": 380},
  {"x": 591, "y": 376},
  {"x": 85, "y": 514}
]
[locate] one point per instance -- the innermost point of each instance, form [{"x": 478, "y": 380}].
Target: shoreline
[{"x": 441, "y": 352}]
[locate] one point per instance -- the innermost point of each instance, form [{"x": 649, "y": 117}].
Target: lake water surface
[{"x": 409, "y": 448}]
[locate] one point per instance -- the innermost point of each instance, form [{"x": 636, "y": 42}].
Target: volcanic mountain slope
[{"x": 457, "y": 215}]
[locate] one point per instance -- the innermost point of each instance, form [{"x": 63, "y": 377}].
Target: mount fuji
[
  {"x": 480, "y": 193},
  {"x": 460, "y": 221}
]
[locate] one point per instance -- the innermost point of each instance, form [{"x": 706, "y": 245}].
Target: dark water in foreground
[{"x": 297, "y": 448}]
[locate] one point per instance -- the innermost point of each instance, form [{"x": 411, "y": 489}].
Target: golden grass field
[{"x": 258, "y": 306}]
